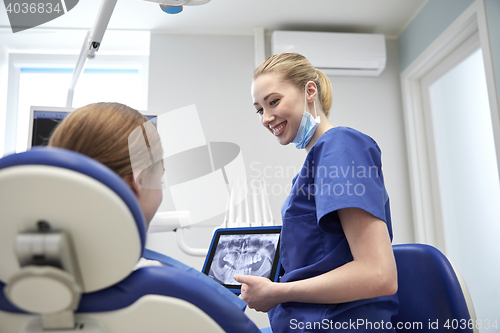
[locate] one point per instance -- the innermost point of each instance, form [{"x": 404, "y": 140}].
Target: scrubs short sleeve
[{"x": 347, "y": 173}]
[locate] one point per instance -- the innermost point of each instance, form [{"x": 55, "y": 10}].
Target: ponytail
[{"x": 325, "y": 91}]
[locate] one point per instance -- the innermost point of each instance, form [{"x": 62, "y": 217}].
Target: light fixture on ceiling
[{"x": 176, "y": 6}]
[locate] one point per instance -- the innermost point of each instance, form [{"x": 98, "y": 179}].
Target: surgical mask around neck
[{"x": 307, "y": 126}]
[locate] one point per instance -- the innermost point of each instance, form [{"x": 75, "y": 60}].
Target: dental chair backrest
[
  {"x": 433, "y": 296},
  {"x": 71, "y": 233}
]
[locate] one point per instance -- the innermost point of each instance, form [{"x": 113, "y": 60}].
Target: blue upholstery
[
  {"x": 154, "y": 280},
  {"x": 166, "y": 281},
  {"x": 428, "y": 289},
  {"x": 5, "y": 304},
  {"x": 152, "y": 255}
]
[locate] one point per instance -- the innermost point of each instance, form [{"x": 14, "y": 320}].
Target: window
[{"x": 44, "y": 81}]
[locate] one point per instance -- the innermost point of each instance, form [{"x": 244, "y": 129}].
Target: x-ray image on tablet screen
[{"x": 247, "y": 251}]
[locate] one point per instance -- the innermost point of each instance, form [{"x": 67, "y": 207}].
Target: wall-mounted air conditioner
[{"x": 345, "y": 54}]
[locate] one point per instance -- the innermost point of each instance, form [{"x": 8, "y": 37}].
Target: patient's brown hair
[{"x": 100, "y": 131}]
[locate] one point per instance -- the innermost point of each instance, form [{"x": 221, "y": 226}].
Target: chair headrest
[{"x": 79, "y": 195}]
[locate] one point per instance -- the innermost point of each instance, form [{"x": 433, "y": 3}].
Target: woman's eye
[
  {"x": 273, "y": 102},
  {"x": 259, "y": 111}
]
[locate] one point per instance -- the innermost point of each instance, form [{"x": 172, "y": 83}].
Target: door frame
[{"x": 426, "y": 204}]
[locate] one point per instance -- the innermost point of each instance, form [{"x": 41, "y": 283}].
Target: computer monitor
[{"x": 43, "y": 121}]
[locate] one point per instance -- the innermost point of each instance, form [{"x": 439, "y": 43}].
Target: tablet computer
[{"x": 248, "y": 251}]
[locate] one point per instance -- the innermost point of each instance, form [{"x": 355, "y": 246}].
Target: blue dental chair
[
  {"x": 431, "y": 292},
  {"x": 71, "y": 233}
]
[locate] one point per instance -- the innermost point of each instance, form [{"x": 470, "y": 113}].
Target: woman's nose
[{"x": 267, "y": 118}]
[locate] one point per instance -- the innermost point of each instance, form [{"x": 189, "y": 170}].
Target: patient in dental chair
[{"x": 103, "y": 131}]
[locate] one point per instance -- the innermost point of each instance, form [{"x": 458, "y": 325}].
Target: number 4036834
[{"x": 32, "y": 8}]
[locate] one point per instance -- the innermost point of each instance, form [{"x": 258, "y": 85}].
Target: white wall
[
  {"x": 4, "y": 65},
  {"x": 214, "y": 73},
  {"x": 374, "y": 106}
]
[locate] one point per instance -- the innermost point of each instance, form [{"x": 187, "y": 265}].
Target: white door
[{"x": 464, "y": 173}]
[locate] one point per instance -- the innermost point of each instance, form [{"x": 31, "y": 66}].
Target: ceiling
[{"x": 235, "y": 17}]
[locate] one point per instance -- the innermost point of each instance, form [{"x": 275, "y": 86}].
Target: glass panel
[
  {"x": 49, "y": 87},
  {"x": 468, "y": 179}
]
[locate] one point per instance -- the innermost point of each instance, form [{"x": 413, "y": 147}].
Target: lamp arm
[
  {"x": 169, "y": 221},
  {"x": 80, "y": 64},
  {"x": 91, "y": 45},
  {"x": 100, "y": 25},
  {"x": 197, "y": 252}
]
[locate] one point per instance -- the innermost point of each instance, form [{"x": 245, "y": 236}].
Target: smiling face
[{"x": 280, "y": 106}]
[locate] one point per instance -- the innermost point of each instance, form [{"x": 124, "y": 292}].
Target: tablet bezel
[{"x": 275, "y": 270}]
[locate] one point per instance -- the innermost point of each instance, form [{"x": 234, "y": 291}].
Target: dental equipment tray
[{"x": 247, "y": 251}]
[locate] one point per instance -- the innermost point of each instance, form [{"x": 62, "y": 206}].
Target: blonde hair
[
  {"x": 101, "y": 131},
  {"x": 295, "y": 68}
]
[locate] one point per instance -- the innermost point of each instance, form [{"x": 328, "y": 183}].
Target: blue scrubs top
[{"x": 343, "y": 169}]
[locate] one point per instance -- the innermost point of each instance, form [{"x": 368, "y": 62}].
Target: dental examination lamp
[
  {"x": 93, "y": 39},
  {"x": 176, "y": 6}
]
